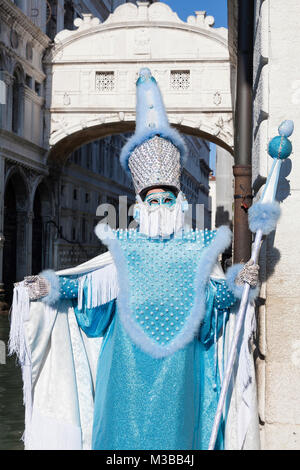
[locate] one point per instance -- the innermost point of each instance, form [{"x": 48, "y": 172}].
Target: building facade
[
  {"x": 276, "y": 97},
  {"x": 224, "y": 188},
  {"x": 28, "y": 195},
  {"x": 47, "y": 215}
]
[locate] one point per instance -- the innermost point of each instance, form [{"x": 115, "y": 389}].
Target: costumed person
[{"x": 126, "y": 351}]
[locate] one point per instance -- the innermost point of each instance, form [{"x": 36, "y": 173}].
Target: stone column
[
  {"x": 3, "y": 305},
  {"x": 22, "y": 110},
  {"x": 29, "y": 218},
  {"x": 22, "y": 246},
  {"x": 48, "y": 240}
]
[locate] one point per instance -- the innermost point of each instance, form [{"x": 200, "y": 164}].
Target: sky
[{"x": 215, "y": 8}]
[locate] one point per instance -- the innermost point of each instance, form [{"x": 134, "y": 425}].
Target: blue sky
[{"x": 216, "y": 8}]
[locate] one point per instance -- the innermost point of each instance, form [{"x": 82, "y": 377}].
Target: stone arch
[
  {"x": 16, "y": 204},
  {"x": 59, "y": 153},
  {"x": 41, "y": 183},
  {"x": 92, "y": 72},
  {"x": 42, "y": 215},
  {"x": 17, "y": 176}
]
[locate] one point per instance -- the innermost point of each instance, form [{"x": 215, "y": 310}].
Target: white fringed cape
[{"x": 59, "y": 367}]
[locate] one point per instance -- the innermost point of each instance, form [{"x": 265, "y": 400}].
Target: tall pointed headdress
[{"x": 153, "y": 155}]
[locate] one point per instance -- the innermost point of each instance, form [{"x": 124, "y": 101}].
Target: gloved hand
[
  {"x": 249, "y": 274},
  {"x": 37, "y": 286}
]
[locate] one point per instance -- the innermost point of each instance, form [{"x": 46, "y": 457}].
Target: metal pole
[{"x": 242, "y": 169}]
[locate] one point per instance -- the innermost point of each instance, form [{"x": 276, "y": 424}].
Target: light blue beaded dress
[{"x": 148, "y": 397}]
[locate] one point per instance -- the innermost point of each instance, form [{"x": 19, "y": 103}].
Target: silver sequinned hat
[
  {"x": 155, "y": 163},
  {"x": 154, "y": 154}
]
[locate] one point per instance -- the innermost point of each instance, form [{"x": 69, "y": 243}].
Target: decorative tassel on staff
[{"x": 263, "y": 217}]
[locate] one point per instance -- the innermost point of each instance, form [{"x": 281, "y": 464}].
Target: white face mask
[
  {"x": 163, "y": 218},
  {"x": 166, "y": 198}
]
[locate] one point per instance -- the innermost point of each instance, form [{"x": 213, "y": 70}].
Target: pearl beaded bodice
[
  {"x": 162, "y": 281},
  {"x": 163, "y": 286}
]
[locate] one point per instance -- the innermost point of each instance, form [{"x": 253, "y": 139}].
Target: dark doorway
[
  {"x": 37, "y": 234},
  {"x": 10, "y": 245}
]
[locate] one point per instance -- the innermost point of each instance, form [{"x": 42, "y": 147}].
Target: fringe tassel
[
  {"x": 17, "y": 345},
  {"x": 19, "y": 313},
  {"x": 215, "y": 350},
  {"x": 99, "y": 286}
]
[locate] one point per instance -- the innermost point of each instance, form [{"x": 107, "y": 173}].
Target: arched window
[{"x": 17, "y": 102}]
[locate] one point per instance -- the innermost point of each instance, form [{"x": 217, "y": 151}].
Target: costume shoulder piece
[{"x": 162, "y": 282}]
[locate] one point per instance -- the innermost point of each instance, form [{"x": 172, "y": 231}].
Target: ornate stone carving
[
  {"x": 219, "y": 126},
  {"x": 201, "y": 19},
  {"x": 142, "y": 41},
  {"x": 88, "y": 21},
  {"x": 217, "y": 98},
  {"x": 220, "y": 123},
  {"x": 66, "y": 99},
  {"x": 59, "y": 123}
]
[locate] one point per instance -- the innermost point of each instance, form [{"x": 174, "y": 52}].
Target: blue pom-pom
[
  {"x": 53, "y": 280},
  {"x": 280, "y": 147},
  {"x": 263, "y": 216},
  {"x": 286, "y": 128}
]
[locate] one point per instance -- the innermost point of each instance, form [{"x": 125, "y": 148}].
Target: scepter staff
[{"x": 263, "y": 217}]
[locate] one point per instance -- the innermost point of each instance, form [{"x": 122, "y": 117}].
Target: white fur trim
[{"x": 207, "y": 261}]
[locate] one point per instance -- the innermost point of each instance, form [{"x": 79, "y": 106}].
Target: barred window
[
  {"x": 180, "y": 79},
  {"x": 105, "y": 81}
]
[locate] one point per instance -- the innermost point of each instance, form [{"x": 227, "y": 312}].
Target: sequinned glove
[
  {"x": 249, "y": 274},
  {"x": 37, "y": 286}
]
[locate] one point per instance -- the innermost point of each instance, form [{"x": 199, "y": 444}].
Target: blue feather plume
[
  {"x": 53, "y": 280},
  {"x": 263, "y": 216},
  {"x": 151, "y": 118}
]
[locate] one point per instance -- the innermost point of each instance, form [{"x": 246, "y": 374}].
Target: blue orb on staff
[{"x": 280, "y": 147}]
